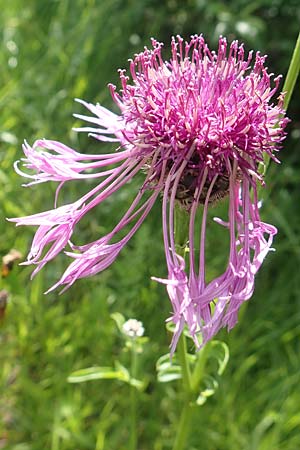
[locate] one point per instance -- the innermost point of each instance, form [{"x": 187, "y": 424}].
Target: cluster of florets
[{"x": 213, "y": 102}]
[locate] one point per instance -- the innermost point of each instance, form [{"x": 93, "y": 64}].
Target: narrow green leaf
[
  {"x": 119, "y": 319},
  {"x": 169, "y": 375},
  {"x": 220, "y": 352},
  {"x": 210, "y": 387},
  {"x": 95, "y": 373},
  {"x": 167, "y": 369},
  {"x": 126, "y": 377}
]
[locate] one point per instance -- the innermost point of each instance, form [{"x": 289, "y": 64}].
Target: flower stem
[
  {"x": 133, "y": 400},
  {"x": 186, "y": 413},
  {"x": 185, "y": 368},
  {"x": 292, "y": 74},
  {"x": 190, "y": 381},
  {"x": 181, "y": 230},
  {"x": 199, "y": 367},
  {"x": 183, "y": 426}
]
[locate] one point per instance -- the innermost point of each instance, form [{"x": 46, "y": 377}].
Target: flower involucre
[{"x": 199, "y": 126}]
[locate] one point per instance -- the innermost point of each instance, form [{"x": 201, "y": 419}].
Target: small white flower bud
[{"x": 133, "y": 328}]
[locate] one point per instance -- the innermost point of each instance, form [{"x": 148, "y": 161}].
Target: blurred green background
[{"x": 52, "y": 52}]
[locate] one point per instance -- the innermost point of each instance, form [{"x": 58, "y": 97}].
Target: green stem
[
  {"x": 185, "y": 368},
  {"x": 292, "y": 74},
  {"x": 190, "y": 381},
  {"x": 183, "y": 426},
  {"x": 181, "y": 230},
  {"x": 199, "y": 367},
  {"x": 133, "y": 400},
  {"x": 186, "y": 413}
]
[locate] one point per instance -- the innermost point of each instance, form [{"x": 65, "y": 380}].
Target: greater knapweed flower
[{"x": 199, "y": 127}]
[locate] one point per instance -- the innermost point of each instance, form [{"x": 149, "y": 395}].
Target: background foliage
[{"x": 51, "y": 52}]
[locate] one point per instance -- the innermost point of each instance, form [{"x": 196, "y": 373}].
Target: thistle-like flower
[{"x": 199, "y": 127}]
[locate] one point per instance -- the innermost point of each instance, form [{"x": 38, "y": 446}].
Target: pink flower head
[{"x": 199, "y": 126}]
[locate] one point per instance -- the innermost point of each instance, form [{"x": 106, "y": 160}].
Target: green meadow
[{"x": 53, "y": 51}]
